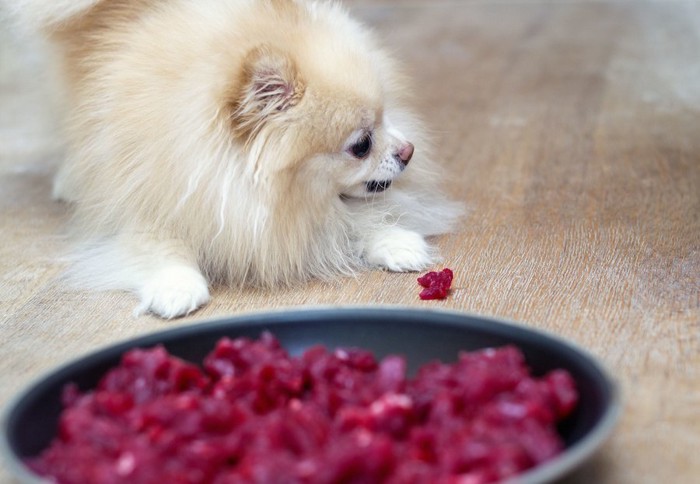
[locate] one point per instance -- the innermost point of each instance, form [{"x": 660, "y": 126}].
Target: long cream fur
[{"x": 208, "y": 142}]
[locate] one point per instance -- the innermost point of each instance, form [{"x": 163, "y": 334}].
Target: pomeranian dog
[{"x": 261, "y": 142}]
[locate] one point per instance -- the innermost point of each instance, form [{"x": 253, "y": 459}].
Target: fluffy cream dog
[{"x": 258, "y": 142}]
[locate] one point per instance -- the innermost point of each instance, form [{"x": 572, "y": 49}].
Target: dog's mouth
[
  {"x": 377, "y": 186},
  {"x": 366, "y": 189}
]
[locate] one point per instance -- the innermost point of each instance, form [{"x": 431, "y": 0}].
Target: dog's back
[{"x": 47, "y": 15}]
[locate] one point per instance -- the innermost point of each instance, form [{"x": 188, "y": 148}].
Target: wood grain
[{"x": 570, "y": 129}]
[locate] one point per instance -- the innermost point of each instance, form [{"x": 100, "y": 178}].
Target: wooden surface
[{"x": 571, "y": 129}]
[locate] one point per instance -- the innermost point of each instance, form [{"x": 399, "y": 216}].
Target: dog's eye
[{"x": 362, "y": 147}]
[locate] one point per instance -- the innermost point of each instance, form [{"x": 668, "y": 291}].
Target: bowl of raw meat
[{"x": 366, "y": 395}]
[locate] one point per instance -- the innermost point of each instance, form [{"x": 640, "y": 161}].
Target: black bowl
[{"x": 30, "y": 421}]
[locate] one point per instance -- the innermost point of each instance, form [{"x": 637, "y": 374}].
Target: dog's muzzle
[{"x": 377, "y": 186}]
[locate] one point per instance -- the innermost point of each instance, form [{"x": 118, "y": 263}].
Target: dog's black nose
[
  {"x": 405, "y": 153},
  {"x": 378, "y": 186}
]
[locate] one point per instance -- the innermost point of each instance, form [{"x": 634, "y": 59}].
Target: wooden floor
[{"x": 571, "y": 129}]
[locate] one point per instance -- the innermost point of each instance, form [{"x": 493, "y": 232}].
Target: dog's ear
[{"x": 270, "y": 85}]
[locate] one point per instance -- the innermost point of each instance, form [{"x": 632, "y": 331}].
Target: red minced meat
[
  {"x": 436, "y": 284},
  {"x": 254, "y": 414}
]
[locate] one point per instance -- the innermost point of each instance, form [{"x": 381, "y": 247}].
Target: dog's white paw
[
  {"x": 173, "y": 291},
  {"x": 399, "y": 250}
]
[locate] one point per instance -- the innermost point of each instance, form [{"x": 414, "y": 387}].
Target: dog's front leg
[
  {"x": 165, "y": 276},
  {"x": 398, "y": 249}
]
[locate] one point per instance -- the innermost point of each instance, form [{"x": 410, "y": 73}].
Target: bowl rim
[{"x": 570, "y": 459}]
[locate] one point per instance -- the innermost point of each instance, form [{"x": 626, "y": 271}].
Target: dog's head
[{"x": 317, "y": 100}]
